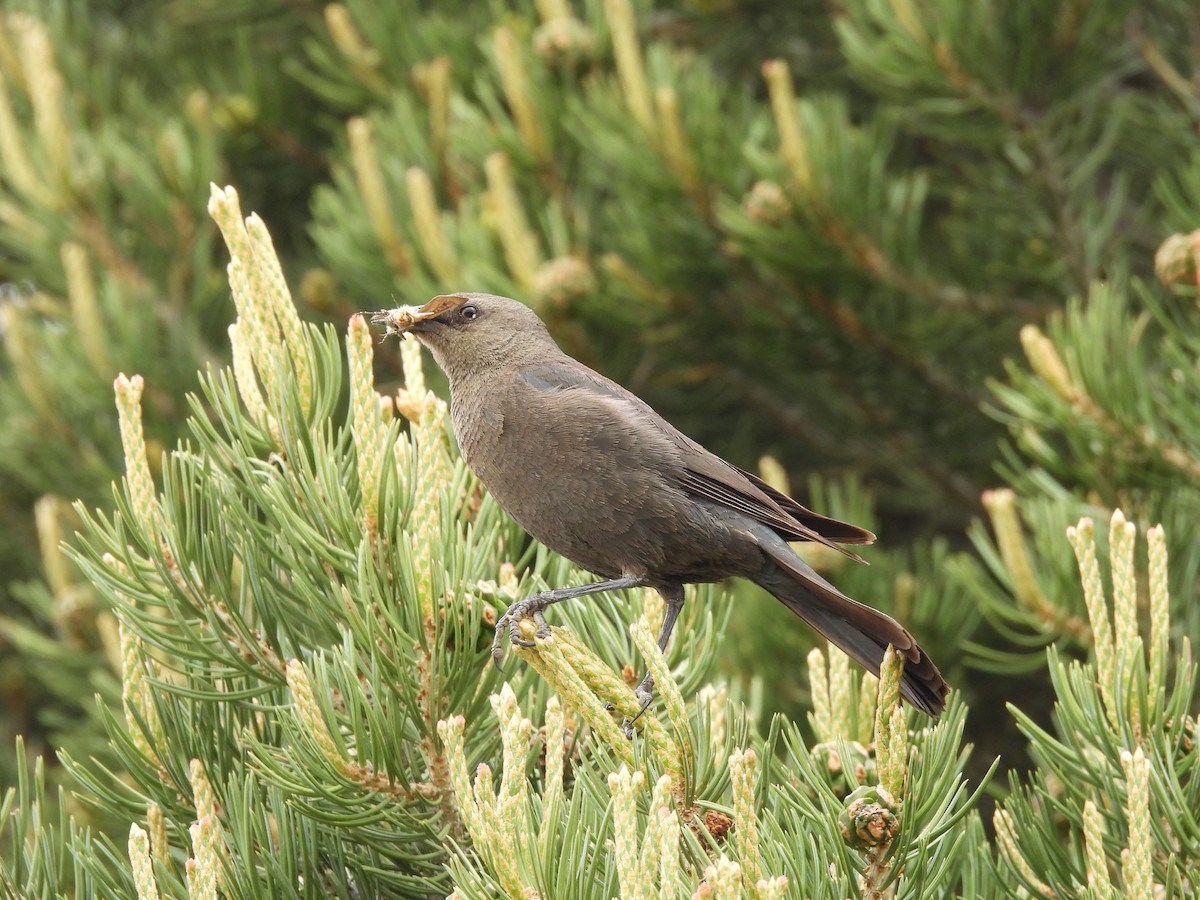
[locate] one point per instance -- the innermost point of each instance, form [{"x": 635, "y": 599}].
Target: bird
[{"x": 595, "y": 474}]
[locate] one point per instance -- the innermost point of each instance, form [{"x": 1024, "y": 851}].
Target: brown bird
[{"x": 596, "y": 475}]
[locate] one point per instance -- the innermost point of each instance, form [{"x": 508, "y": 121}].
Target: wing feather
[{"x": 703, "y": 474}]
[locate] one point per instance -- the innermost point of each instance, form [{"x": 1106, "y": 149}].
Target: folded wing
[{"x": 705, "y": 475}]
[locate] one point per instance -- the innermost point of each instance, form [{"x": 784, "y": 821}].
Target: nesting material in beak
[{"x": 403, "y": 319}]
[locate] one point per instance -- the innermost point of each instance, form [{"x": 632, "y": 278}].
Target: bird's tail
[{"x": 862, "y": 632}]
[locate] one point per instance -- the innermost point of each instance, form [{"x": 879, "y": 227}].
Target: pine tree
[
  {"x": 822, "y": 247},
  {"x": 108, "y": 264},
  {"x": 105, "y": 267},
  {"x": 304, "y": 618}
]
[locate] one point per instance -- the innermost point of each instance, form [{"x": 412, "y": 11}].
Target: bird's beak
[{"x": 417, "y": 319}]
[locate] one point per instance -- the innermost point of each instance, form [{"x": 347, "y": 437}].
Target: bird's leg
[
  {"x": 535, "y": 605},
  {"x": 645, "y": 691}
]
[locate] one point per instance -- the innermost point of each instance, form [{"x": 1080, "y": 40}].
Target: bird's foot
[
  {"x": 529, "y": 607},
  {"x": 645, "y": 695}
]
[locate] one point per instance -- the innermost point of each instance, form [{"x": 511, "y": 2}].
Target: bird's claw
[
  {"x": 529, "y": 607},
  {"x": 627, "y": 723},
  {"x": 645, "y": 693},
  {"x": 498, "y": 642},
  {"x": 645, "y": 696}
]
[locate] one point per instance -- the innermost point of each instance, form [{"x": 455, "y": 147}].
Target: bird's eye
[{"x": 469, "y": 313}]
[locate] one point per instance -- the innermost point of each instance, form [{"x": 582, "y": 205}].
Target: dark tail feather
[{"x": 862, "y": 632}]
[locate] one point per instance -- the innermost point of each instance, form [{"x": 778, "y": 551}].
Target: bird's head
[{"x": 470, "y": 332}]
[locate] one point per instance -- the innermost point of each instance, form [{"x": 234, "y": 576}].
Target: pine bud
[
  {"x": 870, "y": 818},
  {"x": 1177, "y": 260},
  {"x": 767, "y": 202},
  {"x": 561, "y": 280},
  {"x": 564, "y": 43}
]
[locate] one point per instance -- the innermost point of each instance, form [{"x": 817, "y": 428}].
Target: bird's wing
[
  {"x": 704, "y": 474},
  {"x": 834, "y": 529}
]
